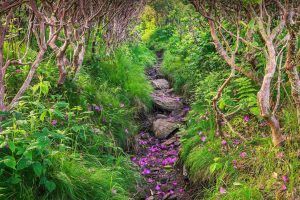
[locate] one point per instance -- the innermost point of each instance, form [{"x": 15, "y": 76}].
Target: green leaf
[
  {"x": 43, "y": 115},
  {"x": 4, "y": 114},
  {"x": 214, "y": 167},
  {"x": 50, "y": 186},
  {"x": 10, "y": 162},
  {"x": 14, "y": 179},
  {"x": 23, "y": 163},
  {"x": 61, "y": 104},
  {"x": 11, "y": 146},
  {"x": 251, "y": 24},
  {"x": 37, "y": 168},
  {"x": 255, "y": 111}
]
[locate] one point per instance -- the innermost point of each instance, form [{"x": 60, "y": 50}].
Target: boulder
[
  {"x": 161, "y": 84},
  {"x": 166, "y": 102},
  {"x": 163, "y": 128}
]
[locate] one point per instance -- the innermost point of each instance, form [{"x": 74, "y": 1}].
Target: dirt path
[{"x": 158, "y": 144}]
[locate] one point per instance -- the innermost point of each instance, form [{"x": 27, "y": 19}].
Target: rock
[
  {"x": 150, "y": 198},
  {"x": 161, "y": 116},
  {"x": 166, "y": 102},
  {"x": 163, "y": 128},
  {"x": 161, "y": 84},
  {"x": 173, "y": 197},
  {"x": 170, "y": 141},
  {"x": 166, "y": 196}
]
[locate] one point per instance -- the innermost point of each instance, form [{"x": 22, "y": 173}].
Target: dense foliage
[{"x": 241, "y": 162}]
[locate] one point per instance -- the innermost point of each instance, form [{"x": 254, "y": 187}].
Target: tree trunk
[
  {"x": 264, "y": 95},
  {"x": 292, "y": 72},
  {"x": 29, "y": 77}
]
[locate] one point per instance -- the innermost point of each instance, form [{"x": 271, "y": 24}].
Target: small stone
[
  {"x": 163, "y": 128},
  {"x": 166, "y": 196},
  {"x": 161, "y": 84},
  {"x": 161, "y": 116},
  {"x": 170, "y": 141},
  {"x": 166, "y": 102},
  {"x": 173, "y": 197}
]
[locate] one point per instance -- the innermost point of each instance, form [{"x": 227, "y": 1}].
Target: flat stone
[
  {"x": 161, "y": 84},
  {"x": 163, "y": 128},
  {"x": 161, "y": 116},
  {"x": 166, "y": 102},
  {"x": 170, "y": 141}
]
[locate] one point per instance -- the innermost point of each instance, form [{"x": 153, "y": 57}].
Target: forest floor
[{"x": 158, "y": 144}]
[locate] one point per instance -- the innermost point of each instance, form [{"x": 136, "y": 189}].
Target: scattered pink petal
[
  {"x": 203, "y": 139},
  {"x": 234, "y": 163},
  {"x": 98, "y": 108},
  {"x": 283, "y": 188},
  {"x": 54, "y": 122},
  {"x": 222, "y": 190},
  {"x": 246, "y": 118},
  {"x": 150, "y": 180},
  {"x": 280, "y": 155},
  {"x": 146, "y": 171},
  {"x": 285, "y": 178},
  {"x": 243, "y": 154},
  {"x": 157, "y": 187},
  {"x": 224, "y": 142}
]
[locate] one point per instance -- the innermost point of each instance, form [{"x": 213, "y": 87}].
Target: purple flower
[
  {"x": 142, "y": 142},
  {"x": 150, "y": 180},
  {"x": 246, "y": 118},
  {"x": 18, "y": 71},
  {"x": 157, "y": 187},
  {"x": 203, "y": 139},
  {"x": 222, "y": 190},
  {"x": 283, "y": 187},
  {"x": 285, "y": 178},
  {"x": 236, "y": 142},
  {"x": 146, "y": 171},
  {"x": 133, "y": 159},
  {"x": 169, "y": 161},
  {"x": 181, "y": 190},
  {"x": 174, "y": 183},
  {"x": 224, "y": 142},
  {"x": 243, "y": 154},
  {"x": 234, "y": 163},
  {"x": 98, "y": 108},
  {"x": 143, "y": 162},
  {"x": 54, "y": 122},
  {"x": 186, "y": 109}
]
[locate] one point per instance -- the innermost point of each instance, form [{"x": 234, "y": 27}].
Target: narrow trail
[{"x": 158, "y": 143}]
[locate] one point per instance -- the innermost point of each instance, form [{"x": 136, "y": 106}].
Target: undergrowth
[{"x": 68, "y": 142}]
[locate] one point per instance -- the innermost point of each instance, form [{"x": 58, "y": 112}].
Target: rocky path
[{"x": 158, "y": 144}]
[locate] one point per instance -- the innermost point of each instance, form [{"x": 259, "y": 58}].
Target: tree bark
[
  {"x": 264, "y": 95},
  {"x": 292, "y": 72}
]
